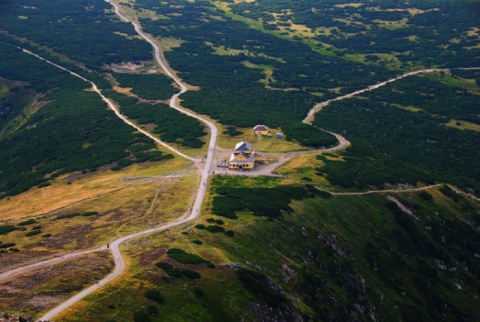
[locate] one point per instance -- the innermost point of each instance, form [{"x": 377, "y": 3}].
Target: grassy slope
[{"x": 333, "y": 258}]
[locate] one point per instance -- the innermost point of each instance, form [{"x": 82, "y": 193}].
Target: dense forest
[
  {"x": 428, "y": 33},
  {"x": 37, "y": 149},
  {"x": 80, "y": 30},
  {"x": 398, "y": 138}
]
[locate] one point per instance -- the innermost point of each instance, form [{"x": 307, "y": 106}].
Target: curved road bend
[{"x": 114, "y": 246}]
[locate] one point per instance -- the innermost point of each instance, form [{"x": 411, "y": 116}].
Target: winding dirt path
[
  {"x": 380, "y": 191},
  {"x": 112, "y": 106},
  {"x": 115, "y": 245},
  {"x": 318, "y": 107},
  {"x": 195, "y": 210},
  {"x": 267, "y": 170},
  {"x": 55, "y": 260}
]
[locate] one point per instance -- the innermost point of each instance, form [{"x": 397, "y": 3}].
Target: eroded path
[{"x": 112, "y": 106}]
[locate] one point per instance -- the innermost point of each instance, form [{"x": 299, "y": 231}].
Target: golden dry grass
[
  {"x": 122, "y": 90},
  {"x": 167, "y": 43},
  {"x": 267, "y": 71},
  {"x": 351, "y": 4},
  {"x": 260, "y": 144},
  {"x": 304, "y": 166},
  {"x": 68, "y": 190},
  {"x": 42, "y": 289},
  {"x": 473, "y": 32},
  {"x": 463, "y": 125},
  {"x": 143, "y": 204},
  {"x": 408, "y": 108}
]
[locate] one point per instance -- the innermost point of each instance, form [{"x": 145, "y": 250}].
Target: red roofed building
[{"x": 260, "y": 129}]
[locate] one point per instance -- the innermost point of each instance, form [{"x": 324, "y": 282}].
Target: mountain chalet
[{"x": 243, "y": 157}]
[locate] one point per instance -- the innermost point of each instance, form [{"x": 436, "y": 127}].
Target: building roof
[
  {"x": 260, "y": 127},
  {"x": 243, "y": 146},
  {"x": 234, "y": 158}
]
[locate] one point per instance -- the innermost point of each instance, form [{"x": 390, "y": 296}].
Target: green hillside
[{"x": 385, "y": 229}]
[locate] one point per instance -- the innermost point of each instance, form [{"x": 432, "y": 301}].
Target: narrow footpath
[
  {"x": 318, "y": 107},
  {"x": 195, "y": 211}
]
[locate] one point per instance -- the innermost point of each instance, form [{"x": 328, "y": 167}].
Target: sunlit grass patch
[{"x": 463, "y": 125}]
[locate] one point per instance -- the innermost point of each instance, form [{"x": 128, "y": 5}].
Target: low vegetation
[
  {"x": 170, "y": 125},
  {"x": 391, "y": 144},
  {"x": 267, "y": 202},
  {"x": 186, "y": 258}
]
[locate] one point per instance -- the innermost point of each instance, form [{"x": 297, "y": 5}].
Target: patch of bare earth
[
  {"x": 126, "y": 66},
  {"x": 43, "y": 288},
  {"x": 404, "y": 208},
  {"x": 25, "y": 257}
]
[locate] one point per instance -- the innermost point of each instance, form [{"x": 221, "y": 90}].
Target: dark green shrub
[
  {"x": 111, "y": 306},
  {"x": 449, "y": 193},
  {"x": 175, "y": 251},
  {"x": 169, "y": 269},
  {"x": 198, "y": 292},
  {"x": 27, "y": 222},
  {"x": 215, "y": 229},
  {"x": 141, "y": 316},
  {"x": 154, "y": 295},
  {"x": 7, "y": 245},
  {"x": 6, "y": 229},
  {"x": 33, "y": 233},
  {"x": 185, "y": 258},
  {"x": 257, "y": 283},
  {"x": 47, "y": 235},
  {"x": 425, "y": 195},
  {"x": 66, "y": 216},
  {"x": 197, "y": 241},
  {"x": 90, "y": 213},
  {"x": 232, "y": 131},
  {"x": 230, "y": 233},
  {"x": 44, "y": 184},
  {"x": 268, "y": 202},
  {"x": 190, "y": 274},
  {"x": 174, "y": 272},
  {"x": 231, "y": 215},
  {"x": 217, "y": 221},
  {"x": 152, "y": 310},
  {"x": 164, "y": 265},
  {"x": 200, "y": 226}
]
